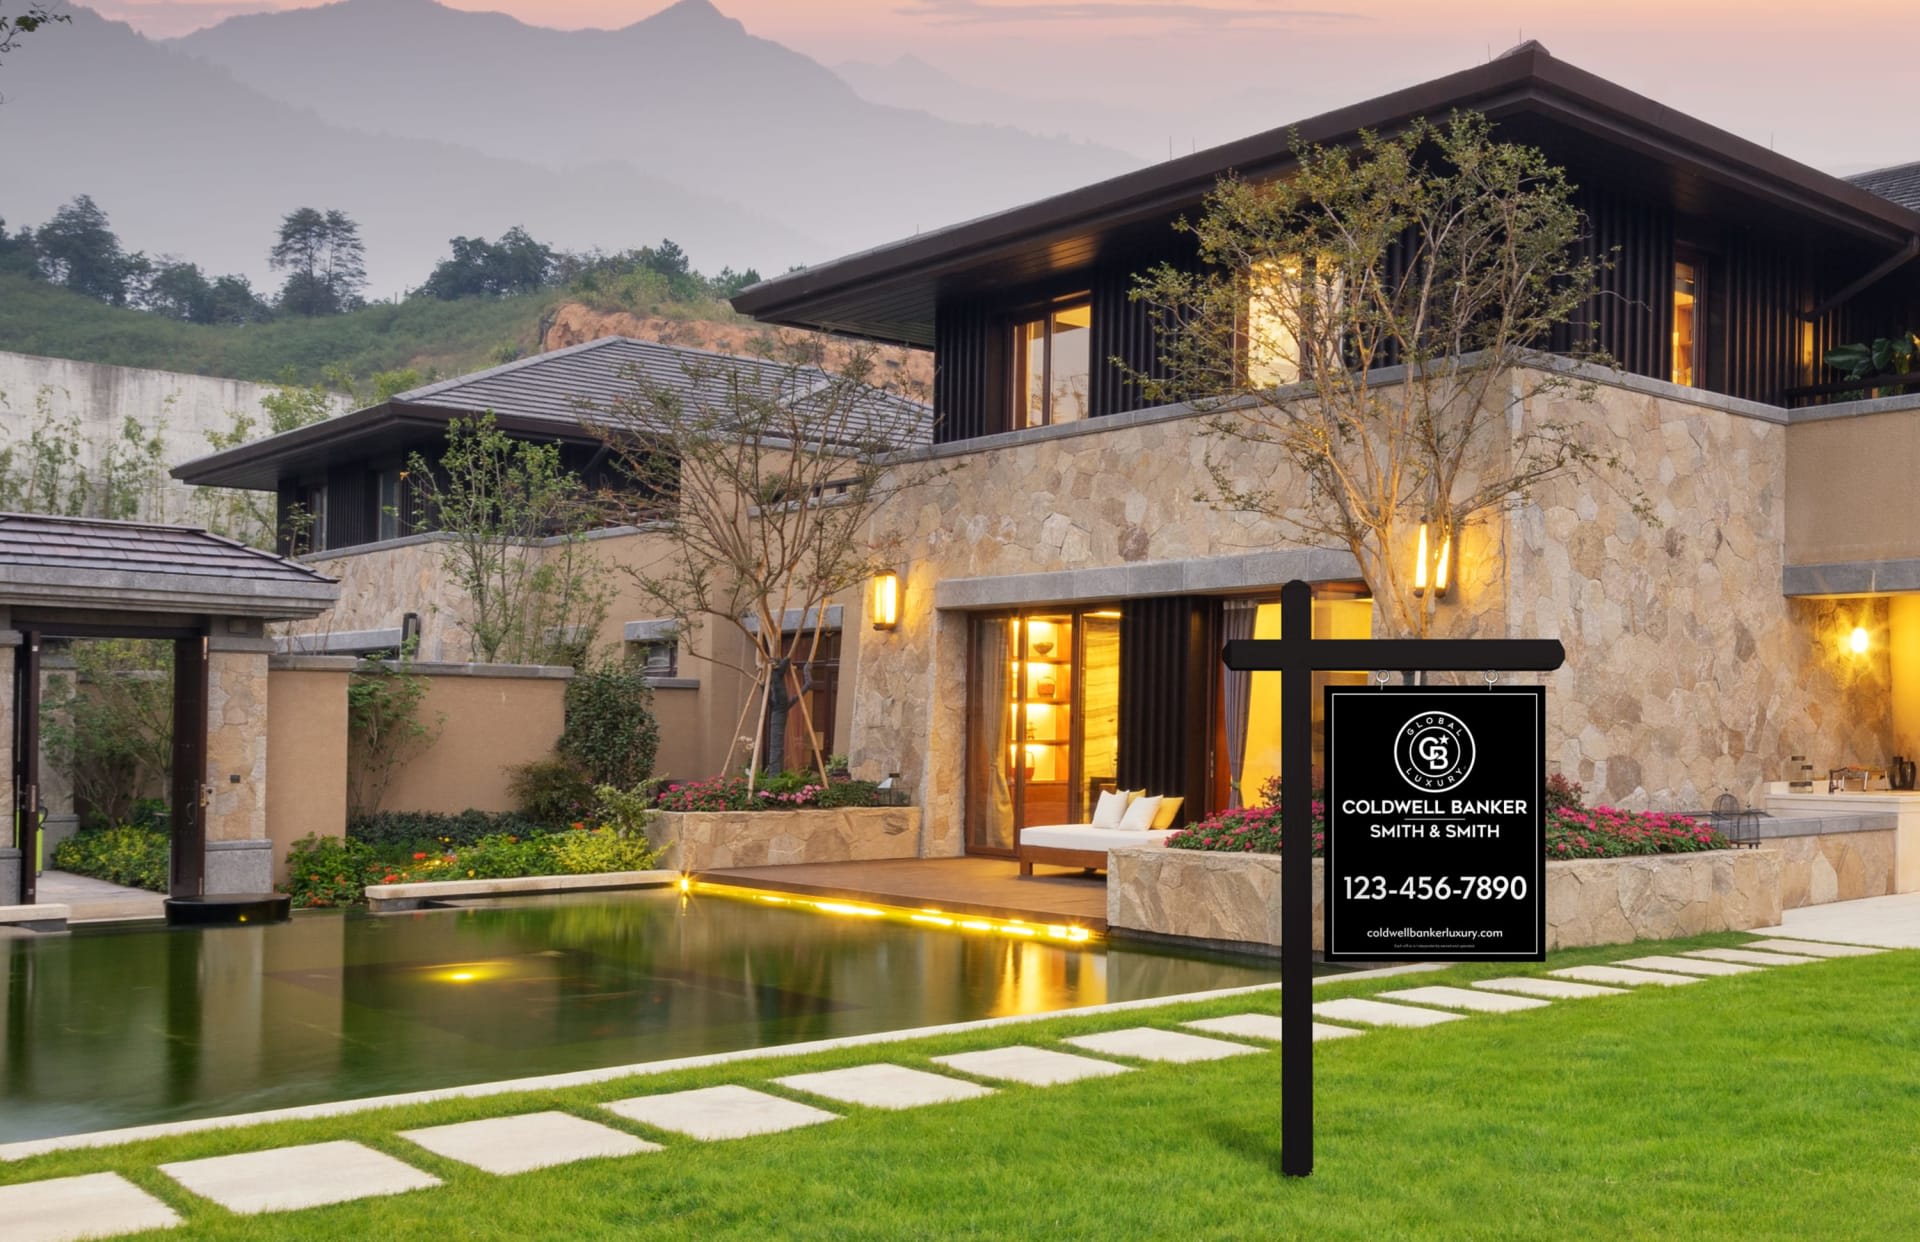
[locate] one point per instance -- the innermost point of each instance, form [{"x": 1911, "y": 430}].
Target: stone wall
[
  {"x": 1688, "y": 672},
  {"x": 239, "y": 857},
  {"x": 1834, "y": 866},
  {"x": 706, "y": 840},
  {"x": 1235, "y": 898}
]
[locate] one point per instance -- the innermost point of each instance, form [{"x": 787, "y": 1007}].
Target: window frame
[{"x": 1013, "y": 325}]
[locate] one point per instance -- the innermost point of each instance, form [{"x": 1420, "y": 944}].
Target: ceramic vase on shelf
[{"x": 1043, "y": 688}]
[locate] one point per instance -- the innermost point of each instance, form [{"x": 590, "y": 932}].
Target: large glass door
[{"x": 1043, "y": 721}]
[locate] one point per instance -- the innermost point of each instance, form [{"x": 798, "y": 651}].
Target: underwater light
[{"x": 925, "y": 916}]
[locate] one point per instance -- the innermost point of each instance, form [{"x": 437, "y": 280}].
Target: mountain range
[{"x": 423, "y": 121}]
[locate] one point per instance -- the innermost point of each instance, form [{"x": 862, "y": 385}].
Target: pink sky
[{"x": 1206, "y": 72}]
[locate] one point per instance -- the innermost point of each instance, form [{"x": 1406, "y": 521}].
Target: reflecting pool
[{"x": 110, "y": 1028}]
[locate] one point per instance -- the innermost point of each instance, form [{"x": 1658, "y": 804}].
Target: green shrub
[
  {"x": 501, "y": 857},
  {"x": 431, "y": 830},
  {"x": 553, "y": 793},
  {"x": 331, "y": 871},
  {"x": 610, "y": 730},
  {"x": 595, "y": 850},
  {"x": 130, "y": 854}
]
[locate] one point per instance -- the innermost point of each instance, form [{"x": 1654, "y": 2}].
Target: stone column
[
  {"x": 9, "y": 854},
  {"x": 239, "y": 853}
]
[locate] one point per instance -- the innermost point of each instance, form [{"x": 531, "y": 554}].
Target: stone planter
[
  {"x": 706, "y": 840},
  {"x": 1235, "y": 898}
]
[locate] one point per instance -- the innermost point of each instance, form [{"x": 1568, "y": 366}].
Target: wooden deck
[{"x": 988, "y": 886}]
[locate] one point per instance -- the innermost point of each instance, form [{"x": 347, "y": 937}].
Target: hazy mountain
[
  {"x": 187, "y": 160},
  {"x": 686, "y": 94},
  {"x": 910, "y": 82}
]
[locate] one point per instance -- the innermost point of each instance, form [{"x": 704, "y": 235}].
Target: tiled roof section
[
  {"x": 84, "y": 546},
  {"x": 1900, "y": 183},
  {"x": 566, "y": 384}
]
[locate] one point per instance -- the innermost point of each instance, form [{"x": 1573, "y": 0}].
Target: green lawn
[{"x": 1774, "y": 1105}]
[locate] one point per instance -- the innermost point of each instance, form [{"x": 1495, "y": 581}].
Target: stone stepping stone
[
  {"x": 711, "y": 1114},
  {"x": 1750, "y": 957},
  {"x": 1813, "y": 948},
  {"x": 1149, "y": 1043},
  {"x": 66, "y": 1209},
  {"x": 885, "y": 1086},
  {"x": 1036, "y": 1067},
  {"x": 529, "y": 1141},
  {"x": 1265, "y": 1026},
  {"x": 1551, "y": 989},
  {"x": 1380, "y": 1013},
  {"x": 1620, "y": 974},
  {"x": 1464, "y": 998},
  {"x": 286, "y": 1178},
  {"x": 1686, "y": 965}
]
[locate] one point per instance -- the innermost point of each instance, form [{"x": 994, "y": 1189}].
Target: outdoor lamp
[
  {"x": 1857, "y": 640},
  {"x": 886, "y": 601},
  {"x": 1425, "y": 561}
]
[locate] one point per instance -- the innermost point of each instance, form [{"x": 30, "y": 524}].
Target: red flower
[{"x": 418, "y": 857}]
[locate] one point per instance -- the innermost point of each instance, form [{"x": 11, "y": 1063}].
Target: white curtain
[{"x": 1237, "y": 622}]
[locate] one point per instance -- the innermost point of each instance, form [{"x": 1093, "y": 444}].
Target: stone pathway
[
  {"x": 101, "y": 1205},
  {"x": 506, "y": 1145},
  {"x": 1883, "y": 922}
]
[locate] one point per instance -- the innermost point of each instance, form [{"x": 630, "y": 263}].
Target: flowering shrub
[
  {"x": 782, "y": 791},
  {"x": 329, "y": 871},
  {"x": 1572, "y": 829}
]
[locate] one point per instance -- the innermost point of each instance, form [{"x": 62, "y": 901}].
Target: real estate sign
[{"x": 1434, "y": 824}]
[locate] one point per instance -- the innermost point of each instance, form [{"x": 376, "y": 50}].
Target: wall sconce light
[
  {"x": 885, "y": 613},
  {"x": 1857, "y": 641},
  {"x": 1430, "y": 568}
]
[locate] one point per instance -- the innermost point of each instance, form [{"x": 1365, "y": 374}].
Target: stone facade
[
  {"x": 1834, "y": 866},
  {"x": 705, "y": 840},
  {"x": 1199, "y": 895},
  {"x": 1688, "y": 672},
  {"x": 236, "y": 776}
]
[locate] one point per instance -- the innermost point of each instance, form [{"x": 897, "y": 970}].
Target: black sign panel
[{"x": 1435, "y": 844}]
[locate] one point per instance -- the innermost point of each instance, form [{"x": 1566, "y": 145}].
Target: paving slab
[
  {"x": 66, "y": 1209},
  {"x": 1380, "y": 1013},
  {"x": 1551, "y": 989},
  {"x": 285, "y": 1178},
  {"x": 1463, "y": 998},
  {"x": 1812, "y": 948},
  {"x": 1890, "y": 922},
  {"x": 1036, "y": 1067},
  {"x": 1751, "y": 958},
  {"x": 1686, "y": 965},
  {"x": 1150, "y": 1043},
  {"x": 711, "y": 1114},
  {"x": 1265, "y": 1026},
  {"x": 1620, "y": 974},
  {"x": 885, "y": 1086},
  {"x": 529, "y": 1141}
]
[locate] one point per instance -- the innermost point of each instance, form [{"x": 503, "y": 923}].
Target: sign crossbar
[{"x": 1297, "y": 652}]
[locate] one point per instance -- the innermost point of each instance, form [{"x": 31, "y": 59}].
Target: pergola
[{"x": 211, "y": 597}]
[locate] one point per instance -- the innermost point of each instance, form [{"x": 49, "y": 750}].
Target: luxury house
[{"x": 1062, "y": 598}]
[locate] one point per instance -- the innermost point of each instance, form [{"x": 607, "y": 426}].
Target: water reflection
[{"x": 105, "y": 1029}]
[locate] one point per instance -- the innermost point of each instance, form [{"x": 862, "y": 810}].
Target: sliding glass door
[{"x": 1043, "y": 720}]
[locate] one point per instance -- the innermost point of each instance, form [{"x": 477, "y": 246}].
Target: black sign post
[{"x": 1297, "y": 655}]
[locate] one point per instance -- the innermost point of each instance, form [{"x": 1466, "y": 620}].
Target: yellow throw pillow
[{"x": 1169, "y": 811}]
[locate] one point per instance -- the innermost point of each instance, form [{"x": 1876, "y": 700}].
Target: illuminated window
[
  {"x": 1052, "y": 370},
  {"x": 1686, "y": 306},
  {"x": 1281, "y": 306}
]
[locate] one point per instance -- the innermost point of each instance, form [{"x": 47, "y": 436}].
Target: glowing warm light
[
  {"x": 1440, "y": 567},
  {"x": 886, "y": 601},
  {"x": 686, "y": 884},
  {"x": 926, "y": 916},
  {"x": 1421, "y": 560},
  {"x": 976, "y": 925},
  {"x": 841, "y": 907},
  {"x": 1858, "y": 640},
  {"x": 468, "y": 972},
  {"x": 933, "y": 919}
]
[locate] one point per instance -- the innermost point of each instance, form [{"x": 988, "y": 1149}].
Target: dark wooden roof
[
  {"x": 101, "y": 564},
  {"x": 1899, "y": 184},
  {"x": 1599, "y": 131},
  {"x": 552, "y": 396}
]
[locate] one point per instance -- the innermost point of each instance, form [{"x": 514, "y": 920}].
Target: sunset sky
[{"x": 1810, "y": 81}]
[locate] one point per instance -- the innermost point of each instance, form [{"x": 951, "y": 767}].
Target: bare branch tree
[
  {"x": 762, "y": 478},
  {"x": 1439, "y": 252}
]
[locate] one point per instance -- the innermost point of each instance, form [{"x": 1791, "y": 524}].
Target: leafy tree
[
  {"x": 763, "y": 480},
  {"x": 479, "y": 268},
  {"x": 730, "y": 282},
  {"x": 36, "y": 16},
  {"x": 109, "y": 723},
  {"x": 180, "y": 290},
  {"x": 18, "y": 253},
  {"x": 514, "y": 521},
  {"x": 384, "y": 728},
  {"x": 325, "y": 261},
  {"x": 79, "y": 250},
  {"x": 1437, "y": 249},
  {"x": 610, "y": 730}
]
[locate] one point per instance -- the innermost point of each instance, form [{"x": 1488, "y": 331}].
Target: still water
[{"x": 103, "y": 1029}]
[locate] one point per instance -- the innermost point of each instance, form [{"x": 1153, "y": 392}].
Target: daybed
[{"x": 1081, "y": 845}]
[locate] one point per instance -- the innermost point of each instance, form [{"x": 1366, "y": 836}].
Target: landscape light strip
[
  {"x": 926, "y": 916},
  {"x": 583, "y": 1078}
]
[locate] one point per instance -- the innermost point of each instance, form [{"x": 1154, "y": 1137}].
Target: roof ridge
[
  {"x": 124, "y": 523},
  {"x": 518, "y": 364}
]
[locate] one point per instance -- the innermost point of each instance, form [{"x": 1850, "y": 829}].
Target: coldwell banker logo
[{"x": 1433, "y": 751}]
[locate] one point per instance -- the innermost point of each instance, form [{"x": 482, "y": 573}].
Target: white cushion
[
  {"x": 1140, "y": 814},
  {"x": 1108, "y": 811},
  {"x": 1087, "y": 837}
]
